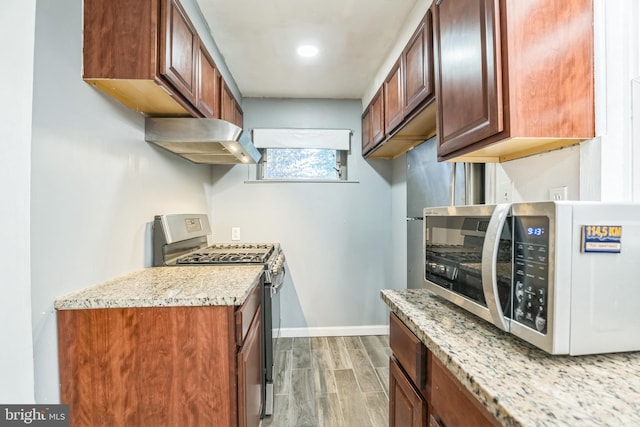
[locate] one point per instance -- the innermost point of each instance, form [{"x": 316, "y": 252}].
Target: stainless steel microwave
[{"x": 562, "y": 276}]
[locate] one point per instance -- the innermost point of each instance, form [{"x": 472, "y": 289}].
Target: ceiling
[{"x": 258, "y": 40}]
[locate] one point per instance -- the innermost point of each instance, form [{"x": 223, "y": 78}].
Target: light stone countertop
[
  {"x": 169, "y": 287},
  {"x": 518, "y": 383}
]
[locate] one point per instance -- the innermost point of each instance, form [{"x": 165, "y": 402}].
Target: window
[
  {"x": 303, "y": 163},
  {"x": 302, "y": 154}
]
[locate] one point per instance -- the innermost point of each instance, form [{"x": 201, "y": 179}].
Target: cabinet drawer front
[
  {"x": 408, "y": 350},
  {"x": 244, "y": 314},
  {"x": 453, "y": 405}
]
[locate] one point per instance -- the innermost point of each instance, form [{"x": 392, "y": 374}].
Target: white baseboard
[{"x": 335, "y": 331}]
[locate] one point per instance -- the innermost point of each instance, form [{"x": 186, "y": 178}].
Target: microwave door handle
[{"x": 489, "y": 265}]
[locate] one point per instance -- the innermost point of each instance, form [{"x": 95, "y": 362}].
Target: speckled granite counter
[
  {"x": 167, "y": 287},
  {"x": 519, "y": 384}
]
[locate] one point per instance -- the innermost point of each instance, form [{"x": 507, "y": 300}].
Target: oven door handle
[
  {"x": 489, "y": 265},
  {"x": 277, "y": 282}
]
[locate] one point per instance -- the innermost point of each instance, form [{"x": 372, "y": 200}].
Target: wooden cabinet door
[
  {"x": 179, "y": 46},
  {"x": 418, "y": 65},
  {"x": 377, "y": 129},
  {"x": 366, "y": 131},
  {"x": 451, "y": 404},
  {"x": 250, "y": 376},
  {"x": 239, "y": 116},
  {"x": 208, "y": 89},
  {"x": 406, "y": 406},
  {"x": 228, "y": 103},
  {"x": 468, "y": 72},
  {"x": 394, "y": 97}
]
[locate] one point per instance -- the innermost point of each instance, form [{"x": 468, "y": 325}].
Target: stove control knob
[{"x": 540, "y": 322}]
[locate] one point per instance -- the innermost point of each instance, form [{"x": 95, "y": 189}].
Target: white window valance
[{"x": 331, "y": 139}]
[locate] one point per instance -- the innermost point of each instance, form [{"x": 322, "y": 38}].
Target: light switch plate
[{"x": 235, "y": 233}]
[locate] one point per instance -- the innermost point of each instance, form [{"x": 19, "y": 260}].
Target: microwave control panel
[{"x": 531, "y": 271}]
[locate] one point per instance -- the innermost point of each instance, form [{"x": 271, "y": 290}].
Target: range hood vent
[{"x": 201, "y": 140}]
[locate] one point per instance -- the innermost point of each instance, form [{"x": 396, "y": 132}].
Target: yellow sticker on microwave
[{"x": 602, "y": 238}]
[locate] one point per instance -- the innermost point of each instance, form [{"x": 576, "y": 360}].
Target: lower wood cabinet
[
  {"x": 250, "y": 376},
  {"x": 451, "y": 404},
  {"x": 422, "y": 391},
  {"x": 407, "y": 408},
  {"x": 162, "y": 366}
]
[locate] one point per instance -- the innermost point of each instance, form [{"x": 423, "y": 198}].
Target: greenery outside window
[
  {"x": 302, "y": 154},
  {"x": 302, "y": 164}
]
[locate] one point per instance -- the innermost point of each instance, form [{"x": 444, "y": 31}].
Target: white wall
[
  {"x": 336, "y": 236},
  {"x": 17, "y": 24},
  {"x": 96, "y": 183},
  {"x": 530, "y": 179}
]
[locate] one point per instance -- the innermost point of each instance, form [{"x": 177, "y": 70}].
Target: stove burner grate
[{"x": 229, "y": 254}]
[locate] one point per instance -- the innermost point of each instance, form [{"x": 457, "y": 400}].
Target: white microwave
[{"x": 562, "y": 276}]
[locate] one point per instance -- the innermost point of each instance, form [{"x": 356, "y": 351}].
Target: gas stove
[
  {"x": 182, "y": 239},
  {"x": 249, "y": 253}
]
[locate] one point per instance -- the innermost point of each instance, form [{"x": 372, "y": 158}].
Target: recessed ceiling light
[{"x": 307, "y": 50}]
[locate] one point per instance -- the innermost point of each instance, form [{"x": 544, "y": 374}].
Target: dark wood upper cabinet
[
  {"x": 230, "y": 109},
  {"x": 123, "y": 55},
  {"x": 418, "y": 65},
  {"x": 409, "y": 110},
  {"x": 513, "y": 78},
  {"x": 147, "y": 54},
  {"x": 179, "y": 42},
  {"x": 377, "y": 118},
  {"x": 373, "y": 123},
  {"x": 366, "y": 131},
  {"x": 239, "y": 116},
  {"x": 469, "y": 85},
  {"x": 394, "y": 97},
  {"x": 208, "y": 87}
]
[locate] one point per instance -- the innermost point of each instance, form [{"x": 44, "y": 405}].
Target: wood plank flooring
[{"x": 331, "y": 382}]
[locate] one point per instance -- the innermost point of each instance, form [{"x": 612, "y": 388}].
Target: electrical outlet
[
  {"x": 504, "y": 192},
  {"x": 558, "y": 193},
  {"x": 235, "y": 233}
]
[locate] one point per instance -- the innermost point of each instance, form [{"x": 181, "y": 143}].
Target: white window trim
[{"x": 329, "y": 139}]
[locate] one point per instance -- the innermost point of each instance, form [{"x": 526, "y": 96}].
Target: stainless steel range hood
[{"x": 209, "y": 141}]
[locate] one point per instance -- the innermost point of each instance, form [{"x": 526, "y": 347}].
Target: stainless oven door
[
  {"x": 271, "y": 322},
  {"x": 468, "y": 258}
]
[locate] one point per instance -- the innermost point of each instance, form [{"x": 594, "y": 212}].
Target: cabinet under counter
[
  {"x": 514, "y": 382},
  {"x": 191, "y": 358}
]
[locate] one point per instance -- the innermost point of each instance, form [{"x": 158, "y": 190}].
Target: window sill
[{"x": 297, "y": 181}]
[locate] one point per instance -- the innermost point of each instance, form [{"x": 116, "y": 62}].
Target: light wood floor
[{"x": 331, "y": 382}]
